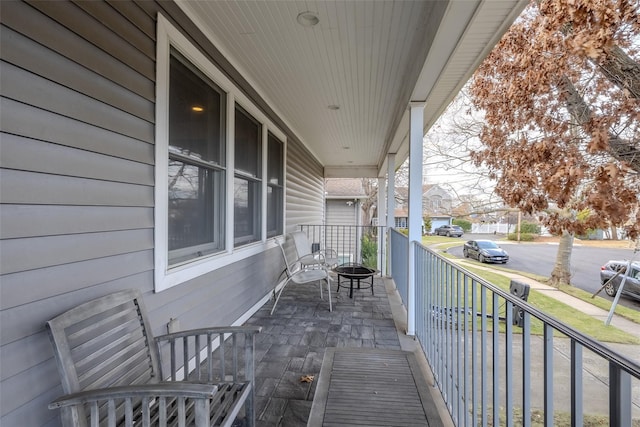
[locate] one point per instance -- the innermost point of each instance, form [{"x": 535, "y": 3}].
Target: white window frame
[
  {"x": 259, "y": 178},
  {"x": 265, "y": 149},
  {"x": 167, "y": 276}
]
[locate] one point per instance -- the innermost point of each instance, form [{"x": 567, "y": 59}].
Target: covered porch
[
  {"x": 325, "y": 89},
  {"x": 298, "y": 337}
]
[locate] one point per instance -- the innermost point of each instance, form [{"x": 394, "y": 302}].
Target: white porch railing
[
  {"x": 488, "y": 369},
  {"x": 352, "y": 243}
]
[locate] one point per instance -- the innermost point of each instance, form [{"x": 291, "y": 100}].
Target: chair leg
[
  {"x": 329, "y": 294},
  {"x": 278, "y": 296}
]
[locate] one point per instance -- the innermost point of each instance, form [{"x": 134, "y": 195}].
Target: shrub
[
  {"x": 427, "y": 225},
  {"x": 529, "y": 227},
  {"x": 524, "y": 237},
  {"x": 466, "y": 225},
  {"x": 369, "y": 251}
]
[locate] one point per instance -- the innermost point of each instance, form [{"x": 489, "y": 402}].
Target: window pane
[
  {"x": 248, "y": 144},
  {"x": 274, "y": 161},
  {"x": 196, "y": 216},
  {"x": 246, "y": 211},
  {"x": 196, "y": 223},
  {"x": 196, "y": 114},
  {"x": 274, "y": 211},
  {"x": 275, "y": 183}
]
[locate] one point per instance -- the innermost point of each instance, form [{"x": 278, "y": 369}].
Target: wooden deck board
[{"x": 371, "y": 387}]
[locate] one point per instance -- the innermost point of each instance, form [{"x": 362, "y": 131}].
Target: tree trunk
[
  {"x": 614, "y": 232},
  {"x": 623, "y": 150},
  {"x": 621, "y": 70},
  {"x": 371, "y": 192},
  {"x": 562, "y": 270}
]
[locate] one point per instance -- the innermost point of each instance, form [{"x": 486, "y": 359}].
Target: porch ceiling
[{"x": 369, "y": 58}]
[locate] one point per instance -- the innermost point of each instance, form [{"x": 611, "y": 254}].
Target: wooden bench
[{"x": 111, "y": 369}]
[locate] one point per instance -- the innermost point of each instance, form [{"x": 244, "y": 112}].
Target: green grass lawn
[
  {"x": 566, "y": 314},
  {"x": 563, "y": 312}
]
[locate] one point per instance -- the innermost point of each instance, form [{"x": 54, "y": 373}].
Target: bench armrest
[
  {"x": 196, "y": 346},
  {"x": 167, "y": 389},
  {"x": 247, "y": 330}
]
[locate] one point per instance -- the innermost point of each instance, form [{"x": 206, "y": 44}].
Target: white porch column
[
  {"x": 391, "y": 185},
  {"x": 382, "y": 222},
  {"x": 415, "y": 206},
  {"x": 391, "y": 196}
]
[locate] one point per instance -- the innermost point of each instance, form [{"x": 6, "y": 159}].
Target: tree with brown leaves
[{"x": 561, "y": 97}]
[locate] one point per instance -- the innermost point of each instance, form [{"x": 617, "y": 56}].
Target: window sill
[{"x": 169, "y": 277}]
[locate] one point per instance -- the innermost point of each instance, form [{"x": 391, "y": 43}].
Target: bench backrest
[{"x": 105, "y": 342}]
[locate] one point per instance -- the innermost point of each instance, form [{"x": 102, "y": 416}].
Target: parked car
[
  {"x": 449, "y": 231},
  {"x": 485, "y": 251},
  {"x": 631, "y": 285}
]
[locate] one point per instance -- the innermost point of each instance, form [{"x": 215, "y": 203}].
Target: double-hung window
[
  {"x": 247, "y": 181},
  {"x": 275, "y": 185},
  {"x": 219, "y": 170},
  {"x": 196, "y": 172}
]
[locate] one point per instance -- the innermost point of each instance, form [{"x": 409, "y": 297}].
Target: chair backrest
[
  {"x": 301, "y": 242},
  {"x": 289, "y": 260},
  {"x": 105, "y": 342}
]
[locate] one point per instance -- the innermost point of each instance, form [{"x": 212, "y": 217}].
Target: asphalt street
[{"x": 539, "y": 258}]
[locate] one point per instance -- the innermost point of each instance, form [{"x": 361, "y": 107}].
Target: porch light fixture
[{"x": 308, "y": 19}]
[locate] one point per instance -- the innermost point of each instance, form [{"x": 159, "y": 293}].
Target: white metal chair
[
  {"x": 302, "y": 271},
  {"x": 327, "y": 257}
]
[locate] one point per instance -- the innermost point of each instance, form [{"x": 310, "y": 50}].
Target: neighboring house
[
  {"x": 401, "y": 218},
  {"x": 436, "y": 205},
  {"x": 436, "y": 200},
  {"x": 344, "y": 199}
]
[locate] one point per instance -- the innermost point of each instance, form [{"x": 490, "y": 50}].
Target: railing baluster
[
  {"x": 185, "y": 357},
  {"x": 619, "y": 396},
  {"x": 460, "y": 302},
  {"x": 223, "y": 368},
  {"x": 128, "y": 412},
  {"x": 526, "y": 370},
  {"x": 508, "y": 346},
  {"x": 576, "y": 384},
  {"x": 210, "y": 357},
  {"x": 234, "y": 341},
  {"x": 198, "y": 362},
  {"x": 162, "y": 411},
  {"x": 483, "y": 358},
  {"x": 449, "y": 335},
  {"x": 474, "y": 349},
  {"x": 496, "y": 358},
  {"x": 174, "y": 363},
  {"x": 548, "y": 375},
  {"x": 465, "y": 351}
]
